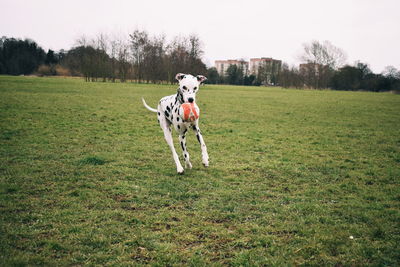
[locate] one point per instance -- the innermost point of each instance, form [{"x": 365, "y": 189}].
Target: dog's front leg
[
  {"x": 203, "y": 146},
  {"x": 182, "y": 140},
  {"x": 168, "y": 137}
]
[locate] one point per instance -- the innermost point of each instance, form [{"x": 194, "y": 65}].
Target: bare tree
[
  {"x": 154, "y": 59},
  {"x": 392, "y": 76},
  {"x": 103, "y": 59},
  {"x": 177, "y": 57},
  {"x": 391, "y": 72},
  {"x": 290, "y": 77},
  {"x": 113, "y": 44},
  {"x": 81, "y": 41},
  {"x": 123, "y": 60},
  {"x": 335, "y": 57},
  {"x": 141, "y": 57},
  {"x": 102, "y": 41},
  {"x": 321, "y": 60},
  {"x": 138, "y": 42},
  {"x": 324, "y": 54}
]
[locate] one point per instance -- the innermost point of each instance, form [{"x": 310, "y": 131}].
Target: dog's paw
[
  {"x": 205, "y": 161},
  {"x": 188, "y": 165},
  {"x": 180, "y": 170}
]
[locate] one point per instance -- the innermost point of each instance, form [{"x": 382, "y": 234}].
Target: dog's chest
[{"x": 170, "y": 106}]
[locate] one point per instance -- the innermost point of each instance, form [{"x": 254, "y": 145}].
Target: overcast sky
[{"x": 367, "y": 30}]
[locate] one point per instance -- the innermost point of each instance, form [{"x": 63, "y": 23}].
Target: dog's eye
[{"x": 184, "y": 87}]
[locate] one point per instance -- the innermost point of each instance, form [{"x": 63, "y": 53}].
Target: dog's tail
[{"x": 148, "y": 107}]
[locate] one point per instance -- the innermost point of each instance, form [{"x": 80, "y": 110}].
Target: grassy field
[{"x": 296, "y": 177}]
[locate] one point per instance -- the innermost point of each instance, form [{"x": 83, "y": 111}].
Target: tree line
[
  {"x": 141, "y": 57},
  {"x": 324, "y": 67},
  {"x": 20, "y": 56}
]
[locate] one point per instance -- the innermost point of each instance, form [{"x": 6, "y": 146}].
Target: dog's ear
[
  {"x": 201, "y": 78},
  {"x": 179, "y": 76}
]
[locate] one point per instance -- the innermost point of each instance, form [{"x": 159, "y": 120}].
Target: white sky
[{"x": 367, "y": 30}]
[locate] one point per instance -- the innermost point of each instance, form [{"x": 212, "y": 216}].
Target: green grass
[{"x": 86, "y": 177}]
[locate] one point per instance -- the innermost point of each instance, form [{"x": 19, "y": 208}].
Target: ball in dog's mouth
[{"x": 189, "y": 112}]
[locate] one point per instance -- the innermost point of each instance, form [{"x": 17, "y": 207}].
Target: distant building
[
  {"x": 266, "y": 69},
  {"x": 255, "y": 63},
  {"x": 223, "y": 65},
  {"x": 269, "y": 67}
]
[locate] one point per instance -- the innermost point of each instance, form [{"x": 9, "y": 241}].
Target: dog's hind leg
[
  {"x": 165, "y": 126},
  {"x": 182, "y": 140}
]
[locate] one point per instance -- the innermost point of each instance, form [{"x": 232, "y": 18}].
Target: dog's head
[{"x": 189, "y": 86}]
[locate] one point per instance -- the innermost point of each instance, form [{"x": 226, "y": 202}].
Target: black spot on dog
[
  {"x": 177, "y": 118},
  {"x": 194, "y": 127},
  {"x": 198, "y": 138},
  {"x": 183, "y": 147},
  {"x": 168, "y": 109},
  {"x": 185, "y": 131},
  {"x": 158, "y": 113},
  {"x": 166, "y": 113},
  {"x": 172, "y": 117},
  {"x": 179, "y": 126},
  {"x": 185, "y": 155}
]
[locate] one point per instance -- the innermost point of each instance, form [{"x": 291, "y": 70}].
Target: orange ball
[{"x": 190, "y": 112}]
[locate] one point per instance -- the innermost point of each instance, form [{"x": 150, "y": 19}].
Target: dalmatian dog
[{"x": 170, "y": 112}]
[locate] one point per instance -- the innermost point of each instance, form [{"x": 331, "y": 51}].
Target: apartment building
[
  {"x": 269, "y": 67},
  {"x": 271, "y": 64},
  {"x": 223, "y": 65}
]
